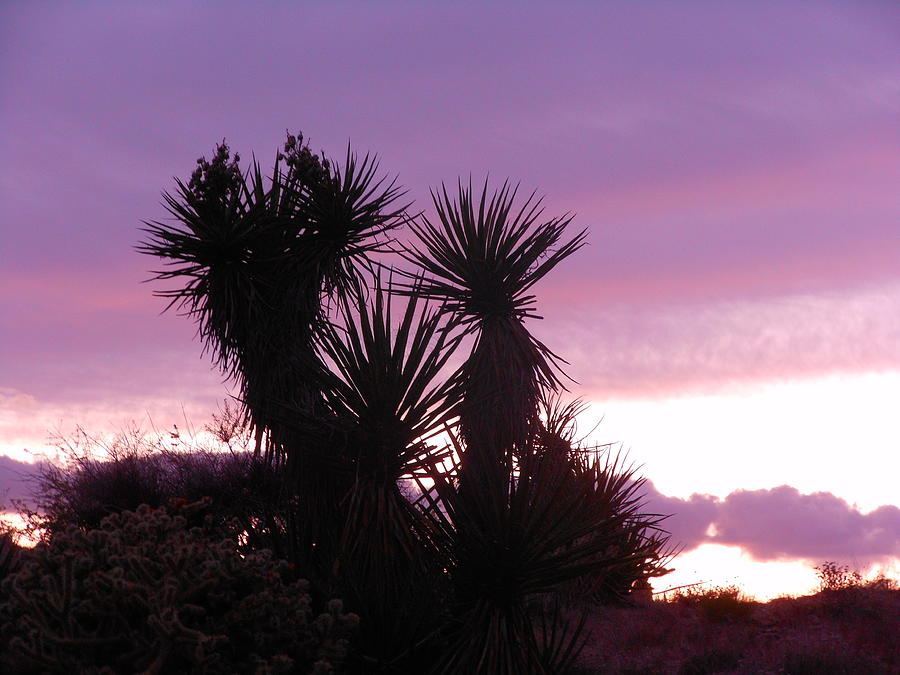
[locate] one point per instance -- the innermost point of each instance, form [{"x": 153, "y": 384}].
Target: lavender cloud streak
[{"x": 781, "y": 523}]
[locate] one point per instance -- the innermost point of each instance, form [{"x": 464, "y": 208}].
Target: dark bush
[
  {"x": 831, "y": 662},
  {"x": 11, "y": 554},
  {"x": 99, "y": 479},
  {"x": 833, "y": 577},
  {"x": 146, "y": 593},
  {"x": 721, "y": 603},
  {"x": 712, "y": 661}
]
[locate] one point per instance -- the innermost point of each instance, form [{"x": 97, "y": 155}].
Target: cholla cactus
[
  {"x": 146, "y": 594},
  {"x": 10, "y": 555}
]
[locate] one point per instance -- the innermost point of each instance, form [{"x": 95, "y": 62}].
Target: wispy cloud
[
  {"x": 31, "y": 426},
  {"x": 646, "y": 349}
]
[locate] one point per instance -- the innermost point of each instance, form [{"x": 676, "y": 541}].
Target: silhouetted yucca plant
[
  {"x": 568, "y": 522},
  {"x": 261, "y": 262},
  {"x": 641, "y": 548},
  {"x": 638, "y": 545},
  {"x": 481, "y": 260},
  {"x": 504, "y": 547},
  {"x": 523, "y": 515},
  {"x": 260, "y": 259},
  {"x": 385, "y": 401},
  {"x": 466, "y": 574}
]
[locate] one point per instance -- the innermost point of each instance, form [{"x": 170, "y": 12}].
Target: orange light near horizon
[
  {"x": 712, "y": 565},
  {"x": 795, "y": 433},
  {"x": 716, "y": 565}
]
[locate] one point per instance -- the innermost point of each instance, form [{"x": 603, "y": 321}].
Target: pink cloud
[
  {"x": 75, "y": 292},
  {"x": 628, "y": 350},
  {"x": 819, "y": 222},
  {"x": 781, "y": 523}
]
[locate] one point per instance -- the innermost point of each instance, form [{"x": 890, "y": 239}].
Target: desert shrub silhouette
[
  {"x": 11, "y": 554},
  {"x": 146, "y": 593},
  {"x": 710, "y": 661},
  {"x": 720, "y": 603},
  {"x": 833, "y": 577},
  {"x": 831, "y": 661},
  {"x": 345, "y": 385},
  {"x": 102, "y": 477},
  {"x": 845, "y": 595}
]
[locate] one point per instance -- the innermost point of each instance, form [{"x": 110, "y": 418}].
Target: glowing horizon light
[
  {"x": 712, "y": 565},
  {"x": 716, "y": 565},
  {"x": 756, "y": 437},
  {"x": 764, "y": 435}
]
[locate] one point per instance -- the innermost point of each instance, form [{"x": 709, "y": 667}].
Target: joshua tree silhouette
[{"x": 285, "y": 279}]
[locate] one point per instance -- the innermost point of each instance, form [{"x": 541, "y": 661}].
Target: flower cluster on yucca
[{"x": 342, "y": 364}]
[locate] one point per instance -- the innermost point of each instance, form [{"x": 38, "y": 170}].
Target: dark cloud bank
[
  {"x": 781, "y": 523},
  {"x": 15, "y": 480},
  {"x": 775, "y": 524}
]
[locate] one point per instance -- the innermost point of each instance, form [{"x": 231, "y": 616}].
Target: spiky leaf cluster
[
  {"x": 558, "y": 524},
  {"x": 384, "y": 388},
  {"x": 481, "y": 259},
  {"x": 259, "y": 260}
]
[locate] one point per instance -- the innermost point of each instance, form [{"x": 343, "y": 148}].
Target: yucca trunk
[{"x": 499, "y": 411}]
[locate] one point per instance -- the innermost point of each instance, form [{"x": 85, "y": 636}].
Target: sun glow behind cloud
[
  {"x": 760, "y": 437},
  {"x": 712, "y": 565},
  {"x": 715, "y": 565}
]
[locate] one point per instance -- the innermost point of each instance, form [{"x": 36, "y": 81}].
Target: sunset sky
[{"x": 734, "y": 320}]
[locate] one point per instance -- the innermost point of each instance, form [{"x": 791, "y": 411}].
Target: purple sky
[{"x": 736, "y": 165}]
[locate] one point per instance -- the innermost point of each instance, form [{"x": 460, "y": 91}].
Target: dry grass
[{"x": 845, "y": 630}]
